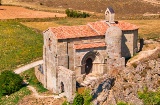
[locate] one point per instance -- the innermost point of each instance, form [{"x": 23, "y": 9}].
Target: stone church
[{"x": 97, "y": 47}]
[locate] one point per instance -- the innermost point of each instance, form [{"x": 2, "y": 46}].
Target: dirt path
[
  {"x": 28, "y": 66},
  {"x": 13, "y": 12},
  {"x": 36, "y": 95}
]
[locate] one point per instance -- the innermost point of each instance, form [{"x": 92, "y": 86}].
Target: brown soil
[
  {"x": 12, "y": 12},
  {"x": 31, "y": 100}
]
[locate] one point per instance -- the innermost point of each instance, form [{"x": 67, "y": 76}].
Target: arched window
[{"x": 62, "y": 87}]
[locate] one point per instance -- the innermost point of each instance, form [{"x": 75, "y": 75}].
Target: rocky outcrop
[{"x": 131, "y": 80}]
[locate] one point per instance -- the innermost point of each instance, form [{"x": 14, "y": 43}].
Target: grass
[
  {"x": 150, "y": 97},
  {"x": 58, "y": 22},
  {"x": 29, "y": 75},
  {"x": 14, "y": 98},
  {"x": 148, "y": 29},
  {"x": 19, "y": 45}
]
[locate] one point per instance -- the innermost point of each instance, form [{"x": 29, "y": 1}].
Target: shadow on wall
[
  {"x": 141, "y": 41},
  {"x": 125, "y": 50}
]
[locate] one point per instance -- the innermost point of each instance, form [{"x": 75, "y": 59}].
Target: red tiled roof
[
  {"x": 65, "y": 32},
  {"x": 88, "y": 45},
  {"x": 91, "y": 29},
  {"x": 126, "y": 26},
  {"x": 100, "y": 27}
]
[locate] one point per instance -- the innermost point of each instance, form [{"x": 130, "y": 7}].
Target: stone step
[{"x": 83, "y": 84}]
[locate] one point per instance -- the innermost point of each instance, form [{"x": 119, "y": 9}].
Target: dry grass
[
  {"x": 40, "y": 25},
  {"x": 58, "y": 22},
  {"x": 147, "y": 28}
]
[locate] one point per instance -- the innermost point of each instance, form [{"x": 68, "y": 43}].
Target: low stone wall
[
  {"x": 39, "y": 74},
  {"x": 66, "y": 82}
]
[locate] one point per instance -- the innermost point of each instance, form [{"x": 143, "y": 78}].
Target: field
[
  {"x": 12, "y": 12},
  {"x": 19, "y": 45},
  {"x": 124, "y": 9}
]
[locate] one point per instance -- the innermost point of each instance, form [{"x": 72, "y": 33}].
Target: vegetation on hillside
[
  {"x": 84, "y": 98},
  {"x": 30, "y": 77},
  {"x": 9, "y": 82},
  {"x": 14, "y": 98},
  {"x": 76, "y": 14},
  {"x": 150, "y": 97},
  {"x": 19, "y": 45},
  {"x": 121, "y": 7}
]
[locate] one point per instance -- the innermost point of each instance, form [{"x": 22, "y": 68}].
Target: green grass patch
[
  {"x": 14, "y": 98},
  {"x": 29, "y": 75},
  {"x": 150, "y": 97},
  {"x": 18, "y": 45}
]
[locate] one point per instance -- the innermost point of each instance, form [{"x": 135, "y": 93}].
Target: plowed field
[{"x": 12, "y": 12}]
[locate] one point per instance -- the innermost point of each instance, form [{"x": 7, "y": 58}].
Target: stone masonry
[{"x": 98, "y": 47}]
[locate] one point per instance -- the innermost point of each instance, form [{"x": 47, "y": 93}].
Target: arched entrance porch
[{"x": 91, "y": 63}]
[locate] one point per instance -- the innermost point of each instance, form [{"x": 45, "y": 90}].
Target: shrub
[
  {"x": 149, "y": 97},
  {"x": 122, "y": 103},
  {"x": 9, "y": 82},
  {"x": 65, "y": 103},
  {"x": 76, "y": 14},
  {"x": 78, "y": 100},
  {"x": 87, "y": 97}
]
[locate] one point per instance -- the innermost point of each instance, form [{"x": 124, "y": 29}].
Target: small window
[
  {"x": 62, "y": 87},
  {"x": 40, "y": 68},
  {"x": 49, "y": 43}
]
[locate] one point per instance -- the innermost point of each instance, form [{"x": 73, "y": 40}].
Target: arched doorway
[
  {"x": 88, "y": 65},
  {"x": 62, "y": 87}
]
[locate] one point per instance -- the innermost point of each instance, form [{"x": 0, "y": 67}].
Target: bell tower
[{"x": 109, "y": 15}]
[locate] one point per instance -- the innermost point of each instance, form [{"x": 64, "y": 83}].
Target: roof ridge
[{"x": 93, "y": 29}]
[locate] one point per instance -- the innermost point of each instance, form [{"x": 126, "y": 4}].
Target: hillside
[{"x": 131, "y": 8}]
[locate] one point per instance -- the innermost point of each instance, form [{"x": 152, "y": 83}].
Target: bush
[
  {"x": 65, "y": 103},
  {"x": 149, "y": 97},
  {"x": 122, "y": 103},
  {"x": 76, "y": 14},
  {"x": 87, "y": 97},
  {"x": 9, "y": 82},
  {"x": 78, "y": 100}
]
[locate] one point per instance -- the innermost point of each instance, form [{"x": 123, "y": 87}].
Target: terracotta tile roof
[
  {"x": 73, "y": 31},
  {"x": 89, "y": 45},
  {"x": 91, "y": 29},
  {"x": 126, "y": 26},
  {"x": 100, "y": 26}
]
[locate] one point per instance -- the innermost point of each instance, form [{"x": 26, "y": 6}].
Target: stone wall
[
  {"x": 65, "y": 48},
  {"x": 39, "y": 74},
  {"x": 129, "y": 43},
  {"x": 98, "y": 56},
  {"x": 68, "y": 79},
  {"x": 50, "y": 60}
]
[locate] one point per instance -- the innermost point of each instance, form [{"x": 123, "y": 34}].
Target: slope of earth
[
  {"x": 121, "y": 7},
  {"x": 12, "y": 12}
]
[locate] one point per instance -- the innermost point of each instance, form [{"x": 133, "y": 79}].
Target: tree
[{"x": 9, "y": 82}]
